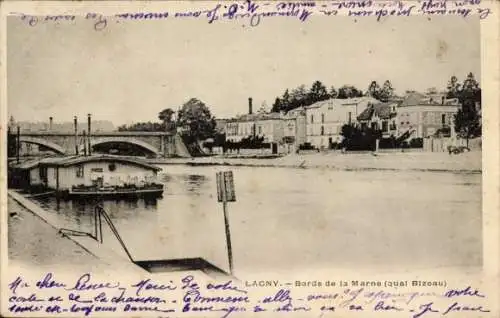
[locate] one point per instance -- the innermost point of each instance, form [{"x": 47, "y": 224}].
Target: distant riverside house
[
  {"x": 324, "y": 120},
  {"x": 286, "y": 130},
  {"x": 423, "y": 116},
  {"x": 381, "y": 116},
  {"x": 295, "y": 128},
  {"x": 269, "y": 126}
]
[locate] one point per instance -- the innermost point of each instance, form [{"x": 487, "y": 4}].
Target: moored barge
[{"x": 103, "y": 176}]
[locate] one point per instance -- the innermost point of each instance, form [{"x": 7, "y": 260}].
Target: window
[
  {"x": 322, "y": 118},
  {"x": 443, "y": 119},
  {"x": 322, "y": 130},
  {"x": 349, "y": 117},
  {"x": 79, "y": 171},
  {"x": 55, "y": 173},
  {"x": 43, "y": 173},
  {"x": 260, "y": 130},
  {"x": 384, "y": 126},
  {"x": 312, "y": 119}
]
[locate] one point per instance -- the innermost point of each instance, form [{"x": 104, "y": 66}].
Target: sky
[{"x": 132, "y": 70}]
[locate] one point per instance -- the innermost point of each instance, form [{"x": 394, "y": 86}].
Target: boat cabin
[{"x": 87, "y": 175}]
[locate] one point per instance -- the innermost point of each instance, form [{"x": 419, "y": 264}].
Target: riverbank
[
  {"x": 416, "y": 161},
  {"x": 35, "y": 238},
  {"x": 32, "y": 240}
]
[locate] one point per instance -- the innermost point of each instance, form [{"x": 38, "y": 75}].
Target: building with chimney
[{"x": 287, "y": 131}]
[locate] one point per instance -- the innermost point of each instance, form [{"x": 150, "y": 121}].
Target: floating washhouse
[{"x": 88, "y": 176}]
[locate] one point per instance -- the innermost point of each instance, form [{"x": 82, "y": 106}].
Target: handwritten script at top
[
  {"x": 89, "y": 296},
  {"x": 252, "y": 13}
]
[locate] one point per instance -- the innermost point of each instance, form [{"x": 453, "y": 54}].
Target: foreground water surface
[{"x": 290, "y": 219}]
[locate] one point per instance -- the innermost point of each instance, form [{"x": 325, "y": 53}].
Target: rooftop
[
  {"x": 381, "y": 110},
  {"x": 257, "y": 116},
  {"x": 417, "y": 99},
  {"x": 343, "y": 101}
]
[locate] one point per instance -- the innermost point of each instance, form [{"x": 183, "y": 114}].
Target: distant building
[
  {"x": 381, "y": 116},
  {"x": 285, "y": 130},
  {"x": 324, "y": 120},
  {"x": 426, "y": 115},
  {"x": 269, "y": 126},
  {"x": 295, "y": 128}
]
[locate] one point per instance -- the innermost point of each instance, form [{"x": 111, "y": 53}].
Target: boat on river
[{"x": 96, "y": 176}]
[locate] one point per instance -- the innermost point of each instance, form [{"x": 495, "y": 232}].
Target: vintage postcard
[{"x": 250, "y": 159}]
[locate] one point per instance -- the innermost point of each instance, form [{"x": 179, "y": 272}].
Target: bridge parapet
[{"x": 98, "y": 133}]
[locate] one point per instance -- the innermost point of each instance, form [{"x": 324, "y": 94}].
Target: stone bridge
[{"x": 158, "y": 144}]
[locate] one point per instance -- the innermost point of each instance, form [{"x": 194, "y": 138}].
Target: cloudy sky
[{"x": 132, "y": 70}]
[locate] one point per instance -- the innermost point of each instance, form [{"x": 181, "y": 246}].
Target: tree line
[{"x": 301, "y": 96}]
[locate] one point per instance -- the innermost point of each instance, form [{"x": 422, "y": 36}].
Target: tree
[
  {"x": 285, "y": 101},
  {"x": 149, "y": 126},
  {"x": 468, "y": 119},
  {"x": 196, "y": 121},
  {"x": 317, "y": 93},
  {"x": 386, "y": 92},
  {"x": 333, "y": 92},
  {"x": 277, "y": 106},
  {"x": 453, "y": 88},
  {"x": 166, "y": 116},
  {"x": 263, "y": 108},
  {"x": 373, "y": 90},
  {"x": 298, "y": 97},
  {"x": 349, "y": 91},
  {"x": 470, "y": 83},
  {"x": 467, "y": 123}
]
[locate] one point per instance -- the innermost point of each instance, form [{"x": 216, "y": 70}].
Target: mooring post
[
  {"x": 225, "y": 194},
  {"x": 18, "y": 143},
  {"x": 89, "y": 133},
  {"x": 75, "y": 120},
  {"x": 228, "y": 238}
]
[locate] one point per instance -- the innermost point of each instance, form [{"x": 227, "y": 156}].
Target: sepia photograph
[{"x": 339, "y": 143}]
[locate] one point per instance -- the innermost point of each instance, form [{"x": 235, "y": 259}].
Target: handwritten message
[
  {"x": 89, "y": 296},
  {"x": 253, "y": 13}
]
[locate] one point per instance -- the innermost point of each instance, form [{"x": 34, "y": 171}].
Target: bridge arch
[
  {"x": 42, "y": 142},
  {"x": 125, "y": 140}
]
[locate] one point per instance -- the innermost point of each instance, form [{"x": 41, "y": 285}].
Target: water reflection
[{"x": 288, "y": 218}]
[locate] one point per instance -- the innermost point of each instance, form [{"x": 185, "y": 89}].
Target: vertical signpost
[{"x": 225, "y": 194}]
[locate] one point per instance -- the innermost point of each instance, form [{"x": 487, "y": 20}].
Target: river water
[{"x": 290, "y": 219}]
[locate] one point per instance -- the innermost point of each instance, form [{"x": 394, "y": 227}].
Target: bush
[
  {"x": 356, "y": 138},
  {"x": 417, "y": 143},
  {"x": 306, "y": 146}
]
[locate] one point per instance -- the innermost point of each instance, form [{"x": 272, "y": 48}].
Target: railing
[{"x": 99, "y": 214}]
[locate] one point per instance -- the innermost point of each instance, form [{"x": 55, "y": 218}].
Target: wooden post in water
[
  {"x": 88, "y": 138},
  {"x": 226, "y": 193},
  {"x": 75, "y": 120},
  {"x": 18, "y": 143}
]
